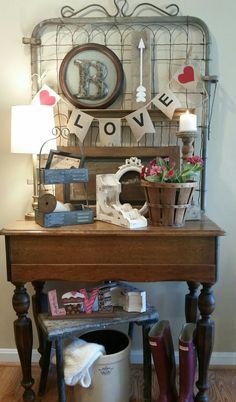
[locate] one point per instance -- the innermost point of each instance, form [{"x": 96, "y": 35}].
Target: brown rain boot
[
  {"x": 187, "y": 363},
  {"x": 162, "y": 349}
]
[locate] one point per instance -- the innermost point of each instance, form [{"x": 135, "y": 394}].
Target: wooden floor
[{"x": 222, "y": 382}]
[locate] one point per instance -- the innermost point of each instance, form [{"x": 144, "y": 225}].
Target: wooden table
[{"x": 102, "y": 251}]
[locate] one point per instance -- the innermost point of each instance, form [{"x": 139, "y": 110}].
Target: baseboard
[
  {"x": 217, "y": 358},
  {"x": 11, "y": 356}
]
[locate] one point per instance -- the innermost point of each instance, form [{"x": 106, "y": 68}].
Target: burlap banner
[{"x": 139, "y": 121}]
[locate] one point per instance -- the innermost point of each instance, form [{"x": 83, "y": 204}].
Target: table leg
[
  {"x": 204, "y": 339},
  {"x": 60, "y": 371},
  {"x": 40, "y": 305},
  {"x": 45, "y": 368},
  {"x": 23, "y": 338},
  {"x": 147, "y": 364},
  {"x": 191, "y": 302}
]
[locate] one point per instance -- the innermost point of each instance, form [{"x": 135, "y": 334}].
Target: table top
[
  {"x": 203, "y": 227},
  {"x": 95, "y": 252}
]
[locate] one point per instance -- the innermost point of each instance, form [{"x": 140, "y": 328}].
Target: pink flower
[
  {"x": 170, "y": 173},
  {"x": 165, "y": 170},
  {"x": 193, "y": 160},
  {"x": 153, "y": 162},
  {"x": 155, "y": 170}
]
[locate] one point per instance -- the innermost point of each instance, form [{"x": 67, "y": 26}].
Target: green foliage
[{"x": 164, "y": 170}]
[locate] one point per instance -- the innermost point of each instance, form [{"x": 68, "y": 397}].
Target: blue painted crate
[
  {"x": 64, "y": 176},
  {"x": 53, "y": 219}
]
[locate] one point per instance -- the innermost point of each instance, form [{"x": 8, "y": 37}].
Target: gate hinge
[{"x": 31, "y": 41}]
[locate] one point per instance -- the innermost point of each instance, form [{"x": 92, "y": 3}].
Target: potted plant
[{"x": 169, "y": 190}]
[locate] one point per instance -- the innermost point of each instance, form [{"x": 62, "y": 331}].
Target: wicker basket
[{"x": 168, "y": 202}]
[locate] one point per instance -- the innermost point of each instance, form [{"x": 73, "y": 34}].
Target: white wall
[{"x": 17, "y": 20}]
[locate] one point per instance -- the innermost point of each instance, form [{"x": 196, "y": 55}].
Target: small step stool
[{"x": 56, "y": 330}]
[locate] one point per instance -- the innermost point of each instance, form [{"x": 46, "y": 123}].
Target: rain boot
[
  {"x": 162, "y": 350},
  {"x": 187, "y": 363}
]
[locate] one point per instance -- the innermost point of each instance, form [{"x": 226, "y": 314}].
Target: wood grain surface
[{"x": 222, "y": 385}]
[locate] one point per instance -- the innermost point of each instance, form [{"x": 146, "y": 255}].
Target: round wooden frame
[{"x": 106, "y": 54}]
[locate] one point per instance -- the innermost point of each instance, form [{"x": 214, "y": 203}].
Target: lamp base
[{"x": 30, "y": 216}]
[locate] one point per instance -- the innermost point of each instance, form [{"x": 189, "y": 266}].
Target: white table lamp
[{"x": 31, "y": 127}]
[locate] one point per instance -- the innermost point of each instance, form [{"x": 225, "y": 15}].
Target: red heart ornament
[
  {"x": 46, "y": 99},
  {"x": 187, "y": 75}
]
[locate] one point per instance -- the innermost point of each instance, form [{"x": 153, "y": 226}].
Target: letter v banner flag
[{"x": 140, "y": 123}]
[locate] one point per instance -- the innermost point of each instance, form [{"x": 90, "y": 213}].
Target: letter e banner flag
[{"x": 167, "y": 102}]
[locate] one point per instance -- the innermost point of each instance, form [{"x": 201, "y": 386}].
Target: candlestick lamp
[{"x": 187, "y": 132}]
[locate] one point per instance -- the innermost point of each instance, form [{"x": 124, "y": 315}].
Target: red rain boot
[
  {"x": 162, "y": 349},
  {"x": 187, "y": 363}
]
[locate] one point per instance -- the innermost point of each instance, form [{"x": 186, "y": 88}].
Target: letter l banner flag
[{"x": 79, "y": 123}]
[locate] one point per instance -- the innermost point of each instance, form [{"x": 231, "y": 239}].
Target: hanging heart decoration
[
  {"x": 187, "y": 75},
  {"x": 46, "y": 98}
]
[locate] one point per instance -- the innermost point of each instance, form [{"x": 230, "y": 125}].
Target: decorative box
[
  {"x": 53, "y": 219},
  {"x": 64, "y": 176}
]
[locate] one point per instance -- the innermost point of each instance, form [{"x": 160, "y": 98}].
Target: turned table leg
[
  {"x": 204, "y": 339},
  {"x": 23, "y": 338},
  {"x": 147, "y": 364},
  {"x": 40, "y": 305},
  {"x": 191, "y": 302}
]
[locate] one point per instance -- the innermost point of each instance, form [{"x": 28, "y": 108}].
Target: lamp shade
[{"x": 31, "y": 126}]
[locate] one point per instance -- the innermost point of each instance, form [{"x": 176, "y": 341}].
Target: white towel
[{"x": 79, "y": 357}]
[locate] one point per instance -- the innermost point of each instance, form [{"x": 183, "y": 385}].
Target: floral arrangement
[{"x": 164, "y": 170}]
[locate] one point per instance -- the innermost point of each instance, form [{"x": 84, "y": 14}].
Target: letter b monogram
[{"x": 92, "y": 75}]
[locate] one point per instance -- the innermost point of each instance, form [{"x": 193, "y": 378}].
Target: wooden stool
[{"x": 56, "y": 330}]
